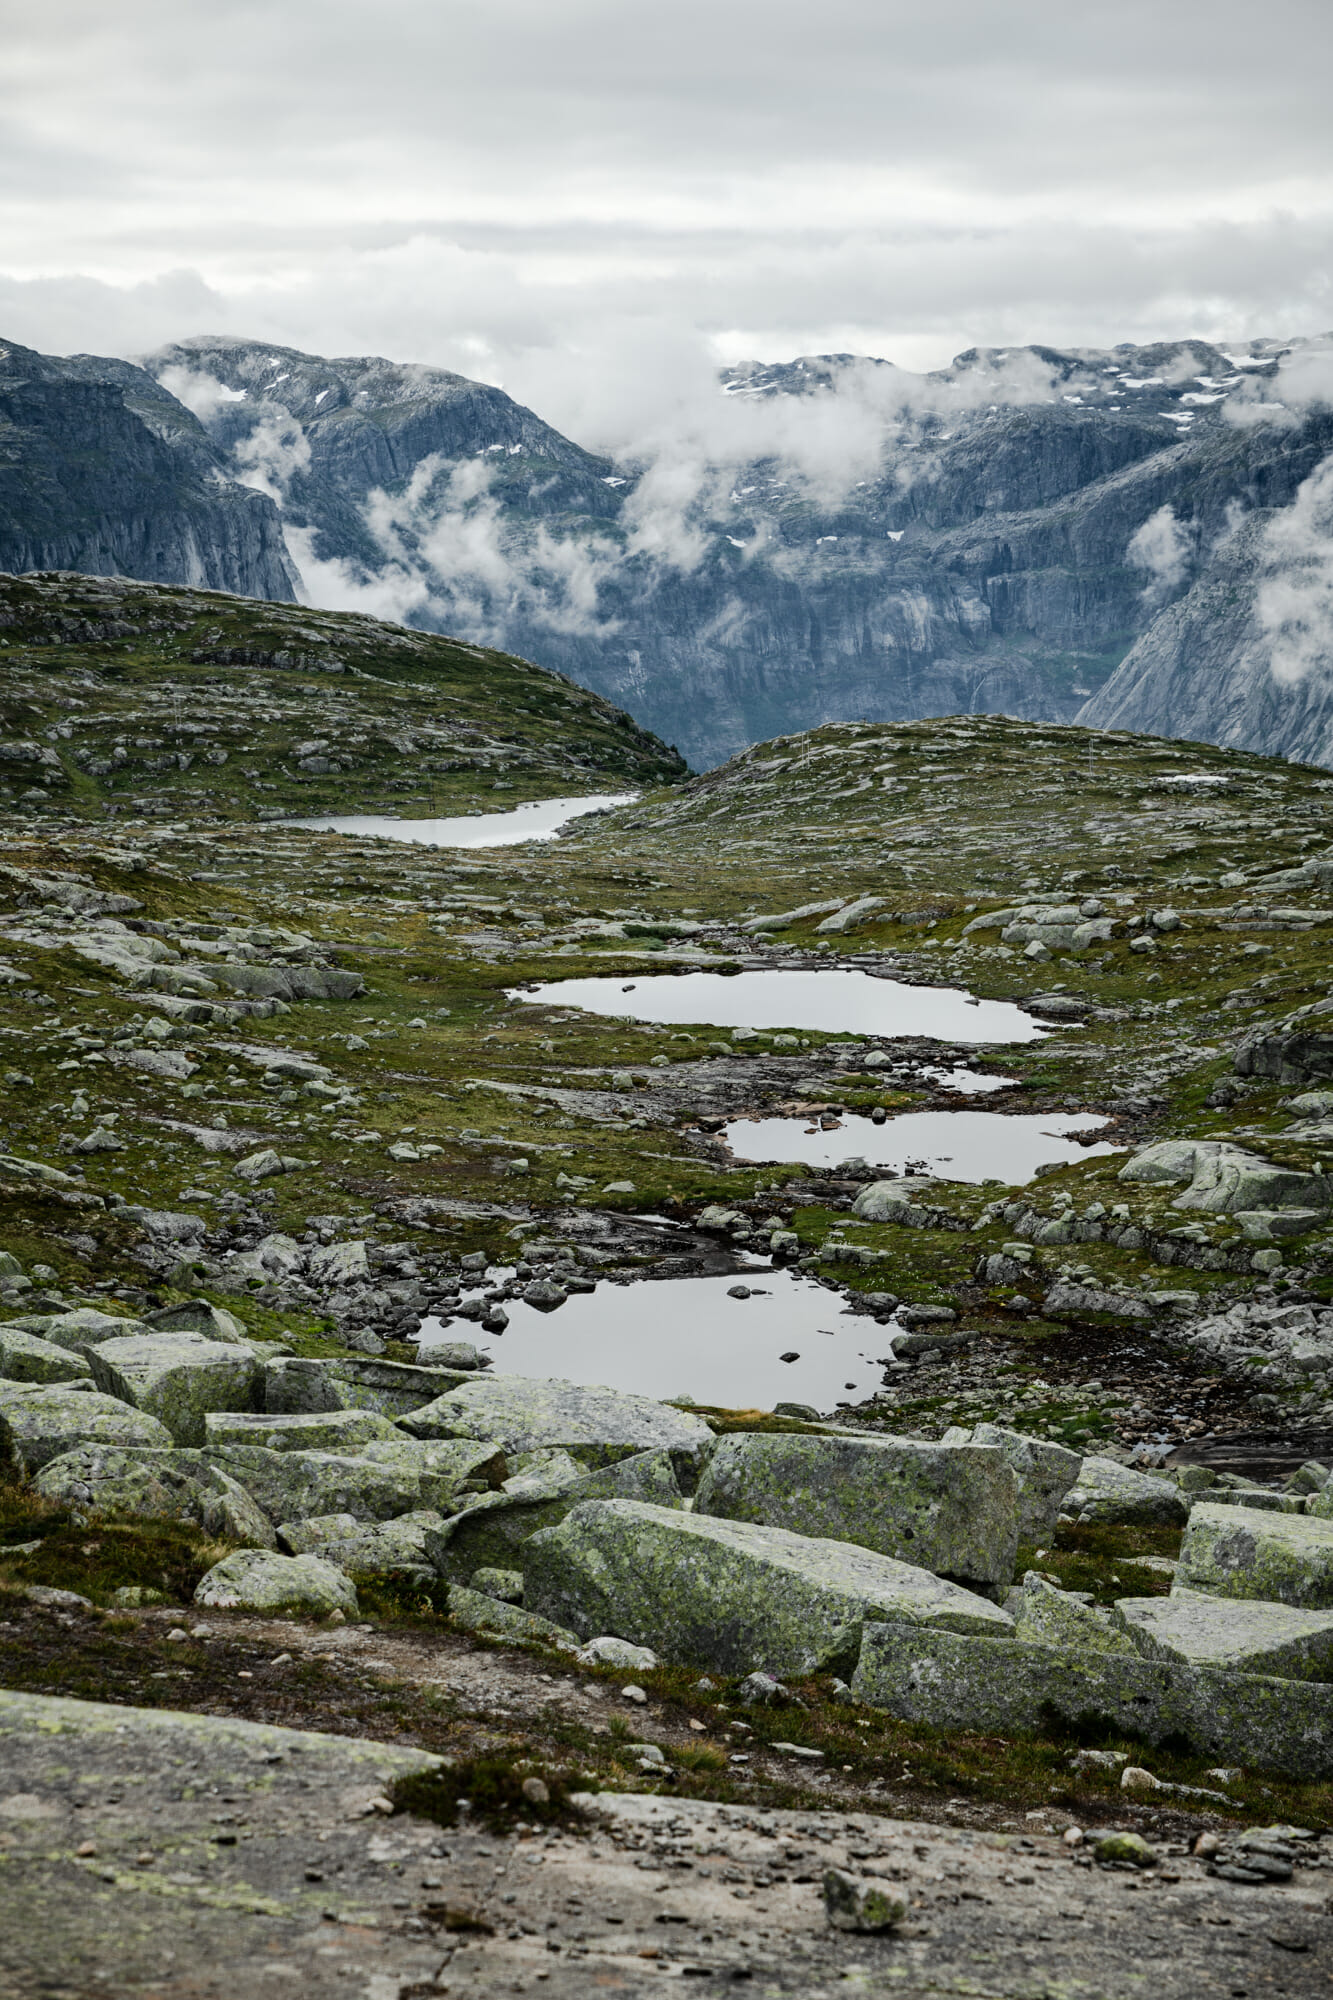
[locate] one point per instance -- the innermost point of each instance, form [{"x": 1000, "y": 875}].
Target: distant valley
[{"x": 1135, "y": 538}]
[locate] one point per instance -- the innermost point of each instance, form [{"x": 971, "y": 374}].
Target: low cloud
[
  {"x": 1294, "y": 604},
  {"x": 1162, "y": 546}
]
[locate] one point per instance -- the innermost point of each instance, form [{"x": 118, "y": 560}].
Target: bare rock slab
[
  {"x": 526, "y": 1413},
  {"x": 952, "y": 1508},
  {"x": 177, "y": 1378},
  {"x": 953, "y": 1681},
  {"x": 1242, "y": 1633},
  {"x": 731, "y": 1594},
  {"x": 40, "y": 1423},
  {"x": 1242, "y": 1552}
]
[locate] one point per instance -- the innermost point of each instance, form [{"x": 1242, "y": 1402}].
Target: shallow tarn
[
  {"x": 954, "y": 1145},
  {"x": 538, "y": 819},
  {"x": 832, "y": 1002},
  {"x": 674, "y": 1337}
]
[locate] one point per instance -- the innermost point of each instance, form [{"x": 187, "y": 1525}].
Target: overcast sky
[{"x": 592, "y": 200}]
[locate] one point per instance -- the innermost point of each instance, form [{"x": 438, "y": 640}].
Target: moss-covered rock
[
  {"x": 366, "y": 1548},
  {"x": 327, "y": 1430},
  {"x": 948, "y": 1508},
  {"x": 490, "y": 1532},
  {"x": 26, "y": 1357},
  {"x": 1047, "y": 1616},
  {"x": 1114, "y": 1495},
  {"x": 1245, "y": 1634},
  {"x": 954, "y": 1682},
  {"x": 39, "y": 1423},
  {"x": 595, "y": 1425},
  {"x": 730, "y": 1594},
  {"x": 1240, "y": 1552},
  {"x": 177, "y": 1378},
  {"x": 163, "y": 1485},
  {"x": 297, "y": 1385},
  {"x": 294, "y": 1485},
  {"x": 475, "y": 1612},
  {"x": 1045, "y": 1472},
  {"x": 257, "y": 1580}
]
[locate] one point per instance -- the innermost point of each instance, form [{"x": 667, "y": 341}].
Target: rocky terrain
[{"x": 273, "y": 1099}]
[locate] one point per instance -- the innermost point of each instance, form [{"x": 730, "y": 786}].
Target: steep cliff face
[
  {"x": 101, "y": 471},
  {"x": 1024, "y": 523}
]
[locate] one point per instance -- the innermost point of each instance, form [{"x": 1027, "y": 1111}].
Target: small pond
[
  {"x": 954, "y": 1145},
  {"x": 832, "y": 1002},
  {"x": 687, "y": 1337},
  {"x": 539, "y": 819}
]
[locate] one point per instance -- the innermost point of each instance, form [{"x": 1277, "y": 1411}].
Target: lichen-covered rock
[
  {"x": 861, "y": 1902},
  {"x": 955, "y": 1682},
  {"x": 177, "y": 1378},
  {"x": 197, "y": 1316},
  {"x": 85, "y": 1328},
  {"x": 328, "y": 1430},
  {"x": 448, "y": 1471},
  {"x": 595, "y": 1425},
  {"x": 1238, "y": 1552},
  {"x": 1045, "y": 1472},
  {"x": 488, "y": 1615},
  {"x": 294, "y": 1485},
  {"x": 948, "y": 1508},
  {"x": 1244, "y": 1633},
  {"x": 1224, "y": 1178},
  {"x": 730, "y": 1594},
  {"x": 491, "y": 1530},
  {"x": 366, "y": 1548},
  {"x": 39, "y": 1422},
  {"x": 506, "y": 1585},
  {"x": 257, "y": 1580},
  {"x": 26, "y": 1357},
  {"x": 1047, "y": 1616},
  {"x": 164, "y": 1485},
  {"x": 608, "y": 1651},
  {"x": 1114, "y": 1495},
  {"x": 296, "y": 1385}
]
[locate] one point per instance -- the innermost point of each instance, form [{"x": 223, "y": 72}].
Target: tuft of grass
[
  {"x": 700, "y": 1757},
  {"x": 489, "y": 1789},
  {"x": 102, "y": 1557}
]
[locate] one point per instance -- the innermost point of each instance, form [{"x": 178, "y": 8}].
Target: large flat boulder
[
  {"x": 327, "y": 1430},
  {"x": 1244, "y": 1634},
  {"x": 85, "y": 1328},
  {"x": 26, "y": 1357},
  {"x": 526, "y": 1413},
  {"x": 1224, "y": 1178},
  {"x": 1045, "y": 1473},
  {"x": 489, "y": 1532},
  {"x": 1242, "y": 1552},
  {"x": 950, "y": 1681},
  {"x": 730, "y": 1594},
  {"x": 258, "y": 1580},
  {"x": 448, "y": 1471},
  {"x": 1115, "y": 1495},
  {"x": 40, "y": 1423},
  {"x": 177, "y": 1378},
  {"x": 293, "y": 1485},
  {"x": 948, "y": 1508},
  {"x": 137, "y": 1482}
]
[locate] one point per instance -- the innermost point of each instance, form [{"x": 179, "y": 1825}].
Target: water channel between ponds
[
  {"x": 952, "y": 1145},
  {"x": 539, "y": 819},
  {"x": 829, "y": 1002},
  {"x": 671, "y": 1337}
]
